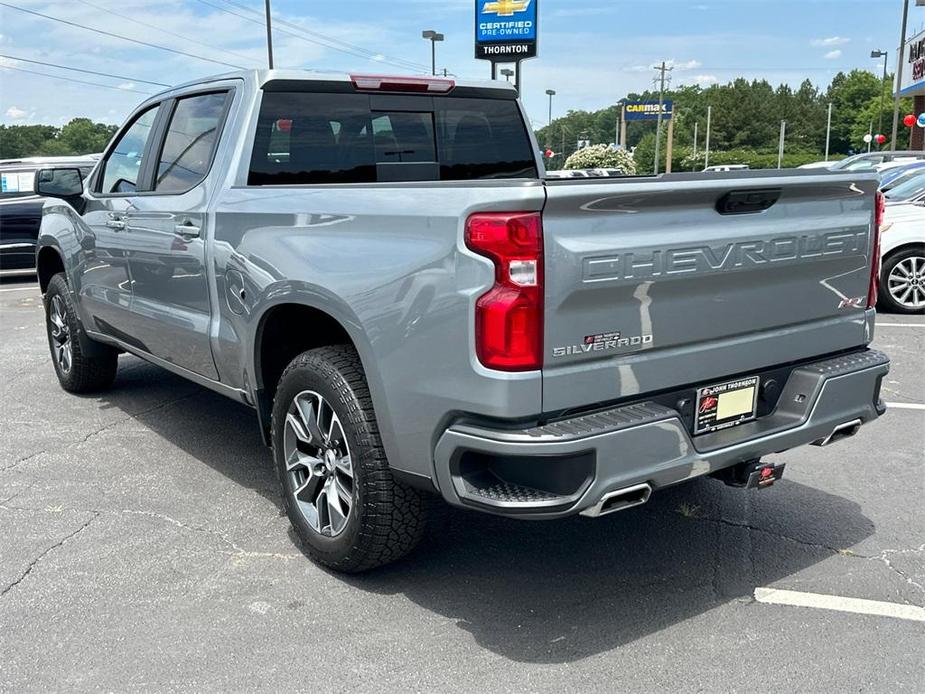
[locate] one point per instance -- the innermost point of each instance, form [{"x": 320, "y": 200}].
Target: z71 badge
[{"x": 602, "y": 342}]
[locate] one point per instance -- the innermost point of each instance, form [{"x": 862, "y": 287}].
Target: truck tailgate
[{"x": 654, "y": 284}]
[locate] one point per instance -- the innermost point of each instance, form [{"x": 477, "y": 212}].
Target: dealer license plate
[{"x": 726, "y": 405}]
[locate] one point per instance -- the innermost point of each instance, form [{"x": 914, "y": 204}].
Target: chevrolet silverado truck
[{"x": 380, "y": 269}]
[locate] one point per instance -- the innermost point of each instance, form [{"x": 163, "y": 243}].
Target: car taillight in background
[
  {"x": 879, "y": 210},
  {"x": 509, "y": 317}
]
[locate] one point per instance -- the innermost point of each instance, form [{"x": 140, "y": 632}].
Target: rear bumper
[{"x": 568, "y": 466}]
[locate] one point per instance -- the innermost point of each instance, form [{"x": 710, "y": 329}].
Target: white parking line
[
  {"x": 900, "y": 325},
  {"x": 776, "y": 596},
  {"x": 905, "y": 405},
  {"x": 20, "y": 289}
]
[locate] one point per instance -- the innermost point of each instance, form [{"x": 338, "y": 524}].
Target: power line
[
  {"x": 300, "y": 36},
  {"x": 365, "y": 51},
  {"x": 118, "y": 36},
  {"x": 77, "y": 69},
  {"x": 164, "y": 31},
  {"x": 71, "y": 79}
]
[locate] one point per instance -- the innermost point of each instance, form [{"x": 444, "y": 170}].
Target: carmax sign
[{"x": 647, "y": 110}]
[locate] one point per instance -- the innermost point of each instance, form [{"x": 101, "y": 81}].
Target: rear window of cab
[{"x": 310, "y": 138}]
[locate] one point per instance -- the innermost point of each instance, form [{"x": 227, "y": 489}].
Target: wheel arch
[
  {"x": 286, "y": 329},
  {"x": 48, "y": 263}
]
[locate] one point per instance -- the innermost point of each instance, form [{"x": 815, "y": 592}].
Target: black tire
[
  {"x": 386, "y": 519},
  {"x": 86, "y": 373},
  {"x": 886, "y": 300}
]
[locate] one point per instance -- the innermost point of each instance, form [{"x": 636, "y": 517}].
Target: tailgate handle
[{"x": 747, "y": 201}]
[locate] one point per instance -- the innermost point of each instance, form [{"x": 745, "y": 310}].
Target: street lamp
[
  {"x": 433, "y": 37},
  {"x": 551, "y": 93},
  {"x": 875, "y": 55},
  {"x": 507, "y": 72}
]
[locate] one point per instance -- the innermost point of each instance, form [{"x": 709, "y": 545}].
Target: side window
[
  {"x": 190, "y": 141},
  {"x": 122, "y": 166}
]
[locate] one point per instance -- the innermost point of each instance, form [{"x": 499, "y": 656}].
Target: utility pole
[
  {"x": 828, "y": 132},
  {"x": 780, "y": 147},
  {"x": 662, "y": 69},
  {"x": 269, "y": 37},
  {"x": 550, "y": 93},
  {"x": 706, "y": 161},
  {"x": 899, "y": 73}
]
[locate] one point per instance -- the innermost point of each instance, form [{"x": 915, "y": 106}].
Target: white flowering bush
[{"x": 602, "y": 157}]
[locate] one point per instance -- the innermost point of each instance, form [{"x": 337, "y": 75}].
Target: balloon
[
  {"x": 909, "y": 121},
  {"x": 921, "y": 120},
  {"x": 868, "y": 137},
  {"x": 880, "y": 139},
  {"x": 549, "y": 154}
]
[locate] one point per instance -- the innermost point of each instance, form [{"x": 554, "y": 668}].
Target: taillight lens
[
  {"x": 509, "y": 317},
  {"x": 879, "y": 210}
]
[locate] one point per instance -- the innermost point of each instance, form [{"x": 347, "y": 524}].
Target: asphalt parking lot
[{"x": 142, "y": 547}]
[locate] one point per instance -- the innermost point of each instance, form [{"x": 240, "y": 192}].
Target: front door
[
  {"x": 104, "y": 283},
  {"x": 167, "y": 259}
]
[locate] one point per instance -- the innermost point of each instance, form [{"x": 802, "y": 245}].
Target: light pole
[
  {"x": 881, "y": 54},
  {"x": 507, "y": 72},
  {"x": 433, "y": 37},
  {"x": 550, "y": 93},
  {"x": 269, "y": 37},
  {"x": 899, "y": 71}
]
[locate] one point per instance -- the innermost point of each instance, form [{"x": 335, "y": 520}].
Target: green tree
[{"x": 83, "y": 136}]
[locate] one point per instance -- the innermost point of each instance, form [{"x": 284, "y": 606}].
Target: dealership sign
[
  {"x": 505, "y": 30},
  {"x": 914, "y": 67},
  {"x": 647, "y": 110}
]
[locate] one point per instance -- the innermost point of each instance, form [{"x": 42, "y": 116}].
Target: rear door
[
  {"x": 171, "y": 307},
  {"x": 656, "y": 284}
]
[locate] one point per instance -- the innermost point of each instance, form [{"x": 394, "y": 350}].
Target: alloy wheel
[
  {"x": 60, "y": 334},
  {"x": 318, "y": 464},
  {"x": 906, "y": 282}
]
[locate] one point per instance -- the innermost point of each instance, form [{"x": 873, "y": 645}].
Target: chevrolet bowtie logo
[{"x": 505, "y": 8}]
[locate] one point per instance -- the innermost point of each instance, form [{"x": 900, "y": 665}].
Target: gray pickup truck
[{"x": 380, "y": 269}]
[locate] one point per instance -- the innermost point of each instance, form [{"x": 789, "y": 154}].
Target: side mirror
[{"x": 59, "y": 183}]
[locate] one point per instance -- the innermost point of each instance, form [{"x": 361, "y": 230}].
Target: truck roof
[{"x": 260, "y": 77}]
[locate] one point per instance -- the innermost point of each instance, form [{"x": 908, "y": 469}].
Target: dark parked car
[{"x": 21, "y": 208}]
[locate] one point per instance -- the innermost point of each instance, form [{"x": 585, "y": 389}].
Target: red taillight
[
  {"x": 384, "y": 83},
  {"x": 509, "y": 317},
  {"x": 879, "y": 210}
]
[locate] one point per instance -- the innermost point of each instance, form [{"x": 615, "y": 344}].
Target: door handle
[
  {"x": 116, "y": 224},
  {"x": 187, "y": 230}
]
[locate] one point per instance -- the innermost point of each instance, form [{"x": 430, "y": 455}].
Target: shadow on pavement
[
  {"x": 214, "y": 429},
  {"x": 548, "y": 592}
]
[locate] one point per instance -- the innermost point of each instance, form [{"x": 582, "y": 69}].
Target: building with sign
[{"x": 913, "y": 82}]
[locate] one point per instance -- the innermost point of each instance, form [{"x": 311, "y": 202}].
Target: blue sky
[{"x": 591, "y": 51}]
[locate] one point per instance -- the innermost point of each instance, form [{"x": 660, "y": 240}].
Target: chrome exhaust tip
[
  {"x": 620, "y": 500},
  {"x": 845, "y": 430}
]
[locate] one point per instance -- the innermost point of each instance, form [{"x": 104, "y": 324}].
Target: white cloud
[
  {"x": 687, "y": 65},
  {"x": 705, "y": 79},
  {"x": 830, "y": 41},
  {"x": 16, "y": 113},
  {"x": 127, "y": 85},
  {"x": 833, "y": 55}
]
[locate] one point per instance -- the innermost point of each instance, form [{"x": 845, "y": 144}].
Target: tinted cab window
[
  {"x": 123, "y": 165},
  {"x": 352, "y": 138}
]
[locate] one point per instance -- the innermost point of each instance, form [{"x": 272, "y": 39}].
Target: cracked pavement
[{"x": 142, "y": 547}]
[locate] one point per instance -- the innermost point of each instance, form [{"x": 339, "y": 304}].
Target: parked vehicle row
[{"x": 21, "y": 208}]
